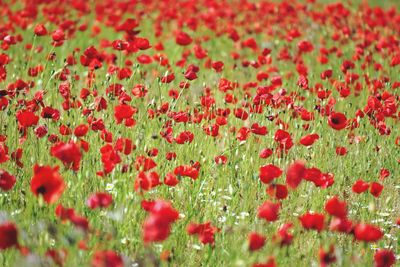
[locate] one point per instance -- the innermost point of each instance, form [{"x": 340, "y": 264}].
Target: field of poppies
[{"x": 199, "y": 133}]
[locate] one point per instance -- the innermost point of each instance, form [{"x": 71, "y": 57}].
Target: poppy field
[{"x": 199, "y": 133}]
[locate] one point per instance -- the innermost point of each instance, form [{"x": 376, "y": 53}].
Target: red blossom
[
  {"x": 204, "y": 231},
  {"x": 47, "y": 182}
]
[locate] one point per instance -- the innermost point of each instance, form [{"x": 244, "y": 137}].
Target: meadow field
[{"x": 199, "y": 133}]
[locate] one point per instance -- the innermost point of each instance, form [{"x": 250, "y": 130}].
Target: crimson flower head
[
  {"x": 7, "y": 181},
  {"x": 183, "y": 39},
  {"x": 327, "y": 257},
  {"x": 337, "y": 120},
  {"x": 269, "y": 263},
  {"x": 283, "y": 236},
  {"x": 269, "y": 211},
  {"x": 269, "y": 172},
  {"x": 256, "y": 241},
  {"x": 313, "y": 221},
  {"x": 170, "y": 179},
  {"x": 46, "y": 181},
  {"x": 143, "y": 163},
  {"x": 279, "y": 191},
  {"x": 81, "y": 130},
  {"x": 68, "y": 153},
  {"x": 3, "y": 153},
  {"x": 184, "y": 137},
  {"x": 40, "y": 30},
  {"x": 336, "y": 208},
  {"x": 376, "y": 189},
  {"x": 68, "y": 214},
  {"x": 26, "y": 118},
  {"x": 8, "y": 235},
  {"x": 157, "y": 225},
  {"x": 309, "y": 139},
  {"x": 360, "y": 186},
  {"x": 341, "y": 151},
  {"x": 204, "y": 231},
  {"x": 58, "y": 35},
  {"x": 107, "y": 258},
  {"x": 99, "y": 200},
  {"x": 146, "y": 181},
  {"x": 384, "y": 258},
  {"x": 187, "y": 170},
  {"x": 305, "y": 46},
  {"x": 284, "y": 139},
  {"x": 342, "y": 225},
  {"x": 366, "y": 232},
  {"x": 124, "y": 113},
  {"x": 295, "y": 174}
]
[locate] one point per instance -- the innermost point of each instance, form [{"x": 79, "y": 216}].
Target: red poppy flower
[
  {"x": 295, "y": 174},
  {"x": 217, "y": 66},
  {"x": 7, "y": 181},
  {"x": 124, "y": 112},
  {"x": 309, "y": 139},
  {"x": 64, "y": 213},
  {"x": 279, "y": 191},
  {"x": 81, "y": 130},
  {"x": 284, "y": 139},
  {"x": 184, "y": 137},
  {"x": 269, "y": 211},
  {"x": 146, "y": 181},
  {"x": 26, "y": 118},
  {"x": 342, "y": 225},
  {"x": 266, "y": 153},
  {"x": 336, "y": 208},
  {"x": 283, "y": 236},
  {"x": 157, "y": 225},
  {"x": 182, "y": 38},
  {"x": 269, "y": 172},
  {"x": 243, "y": 134},
  {"x": 40, "y": 30},
  {"x": 50, "y": 113},
  {"x": 3, "y": 153},
  {"x": 360, "y": 186},
  {"x": 107, "y": 258},
  {"x": 8, "y": 235},
  {"x": 384, "y": 258},
  {"x": 58, "y": 35},
  {"x": 220, "y": 160},
  {"x": 384, "y": 173},
  {"x": 187, "y": 170},
  {"x": 337, "y": 120},
  {"x": 368, "y": 233},
  {"x": 143, "y": 163},
  {"x": 99, "y": 200},
  {"x": 47, "y": 182},
  {"x": 269, "y": 263},
  {"x": 170, "y": 179},
  {"x": 68, "y": 153},
  {"x": 204, "y": 231},
  {"x": 313, "y": 221},
  {"x": 305, "y": 46},
  {"x": 256, "y": 241},
  {"x": 341, "y": 151},
  {"x": 16, "y": 156},
  {"x": 375, "y": 189},
  {"x": 257, "y": 129},
  {"x": 170, "y": 156},
  {"x": 327, "y": 257}
]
